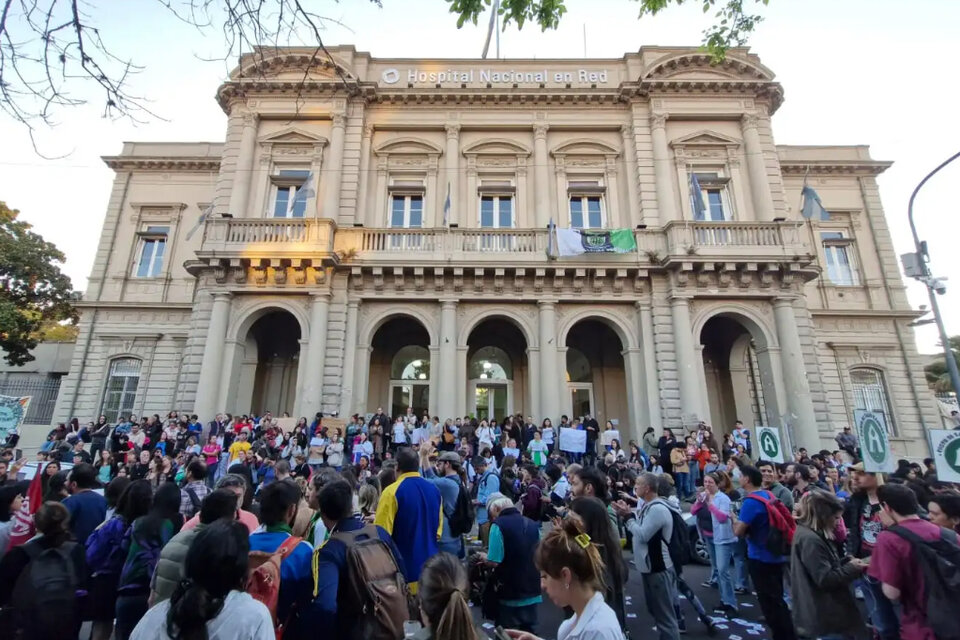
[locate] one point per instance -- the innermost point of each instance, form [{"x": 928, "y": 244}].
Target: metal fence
[{"x": 42, "y": 388}]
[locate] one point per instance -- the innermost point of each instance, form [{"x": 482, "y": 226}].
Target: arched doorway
[
  {"x": 496, "y": 370},
  {"x": 268, "y": 370},
  {"x": 595, "y": 372},
  {"x": 400, "y": 367},
  {"x": 732, "y": 372}
]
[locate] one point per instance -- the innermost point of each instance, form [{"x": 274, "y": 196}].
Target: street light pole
[{"x": 928, "y": 280}]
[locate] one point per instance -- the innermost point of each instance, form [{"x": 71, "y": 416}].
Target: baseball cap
[{"x": 449, "y": 456}]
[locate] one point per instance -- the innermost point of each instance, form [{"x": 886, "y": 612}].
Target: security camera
[{"x": 938, "y": 285}]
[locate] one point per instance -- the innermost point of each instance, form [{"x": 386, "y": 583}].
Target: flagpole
[{"x": 813, "y": 237}]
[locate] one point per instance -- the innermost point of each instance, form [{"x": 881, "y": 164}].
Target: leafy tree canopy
[
  {"x": 936, "y": 372},
  {"x": 34, "y": 293}
]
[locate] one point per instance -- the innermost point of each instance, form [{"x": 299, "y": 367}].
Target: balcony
[{"x": 319, "y": 242}]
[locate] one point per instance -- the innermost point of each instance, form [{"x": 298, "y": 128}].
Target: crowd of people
[{"x": 381, "y": 527}]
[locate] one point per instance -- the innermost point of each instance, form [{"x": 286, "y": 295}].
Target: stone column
[
  {"x": 312, "y": 388},
  {"x": 211, "y": 368},
  {"x": 453, "y": 175},
  {"x": 662, "y": 168},
  {"x": 796, "y": 386},
  {"x": 446, "y": 387},
  {"x": 686, "y": 354},
  {"x": 364, "y": 212},
  {"x": 549, "y": 362},
  {"x": 331, "y": 196},
  {"x": 541, "y": 179},
  {"x": 757, "y": 169},
  {"x": 648, "y": 348},
  {"x": 636, "y": 395},
  {"x": 239, "y": 197},
  {"x": 349, "y": 358},
  {"x": 632, "y": 217}
]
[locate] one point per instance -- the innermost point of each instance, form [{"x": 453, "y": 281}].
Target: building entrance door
[
  {"x": 581, "y": 395},
  {"x": 491, "y": 399},
  {"x": 406, "y": 394}
]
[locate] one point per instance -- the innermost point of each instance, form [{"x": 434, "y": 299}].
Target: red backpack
[
  {"x": 782, "y": 525},
  {"x": 264, "y": 581}
]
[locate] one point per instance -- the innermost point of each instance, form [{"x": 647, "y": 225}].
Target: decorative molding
[
  {"x": 182, "y": 164},
  {"x": 829, "y": 167}
]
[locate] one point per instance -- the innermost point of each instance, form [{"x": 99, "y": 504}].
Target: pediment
[
  {"x": 497, "y": 147},
  {"x": 408, "y": 146},
  {"x": 293, "y": 135},
  {"x": 701, "y": 67},
  {"x": 287, "y": 65},
  {"x": 583, "y": 147},
  {"x": 705, "y": 138}
]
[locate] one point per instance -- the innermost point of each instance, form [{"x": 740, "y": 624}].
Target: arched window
[
  {"x": 578, "y": 366},
  {"x": 870, "y": 393},
  {"x": 411, "y": 363},
  {"x": 490, "y": 363},
  {"x": 121, "y": 390}
]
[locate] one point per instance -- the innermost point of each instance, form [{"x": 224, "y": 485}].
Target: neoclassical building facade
[{"x": 377, "y": 236}]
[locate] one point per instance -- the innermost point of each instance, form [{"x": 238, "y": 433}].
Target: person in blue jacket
[
  {"x": 278, "y": 510},
  {"x": 330, "y": 562}
]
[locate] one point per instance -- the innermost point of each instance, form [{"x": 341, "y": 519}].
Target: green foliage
[
  {"x": 33, "y": 291},
  {"x": 732, "y": 23},
  {"x": 936, "y": 372}
]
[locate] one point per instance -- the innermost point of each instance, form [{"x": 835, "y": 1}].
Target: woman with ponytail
[
  {"x": 443, "y": 601},
  {"x": 571, "y": 572},
  {"x": 210, "y": 603}
]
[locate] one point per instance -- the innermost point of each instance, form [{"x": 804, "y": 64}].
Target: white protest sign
[
  {"x": 768, "y": 439},
  {"x": 573, "y": 440},
  {"x": 608, "y": 436},
  {"x": 946, "y": 454},
  {"x": 874, "y": 441}
]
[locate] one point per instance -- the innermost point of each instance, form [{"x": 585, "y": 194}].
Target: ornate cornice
[
  {"x": 829, "y": 167},
  {"x": 159, "y": 163}
]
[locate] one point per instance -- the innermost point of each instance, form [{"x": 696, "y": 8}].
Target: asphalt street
[{"x": 749, "y": 626}]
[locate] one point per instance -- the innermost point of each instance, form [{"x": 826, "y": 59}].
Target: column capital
[
  {"x": 627, "y": 131},
  {"x": 658, "y": 120},
  {"x": 545, "y": 304},
  {"x": 248, "y": 119},
  {"x": 222, "y": 296},
  {"x": 453, "y": 131},
  {"x": 750, "y": 121},
  {"x": 320, "y": 296},
  {"x": 540, "y": 131},
  {"x": 339, "y": 120},
  {"x": 353, "y": 304},
  {"x": 784, "y": 301},
  {"x": 643, "y": 305},
  {"x": 680, "y": 298},
  {"x": 368, "y": 130},
  {"x": 449, "y": 303}
]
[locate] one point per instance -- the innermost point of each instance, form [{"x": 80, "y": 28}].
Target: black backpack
[
  {"x": 939, "y": 561},
  {"x": 47, "y": 584},
  {"x": 464, "y": 513},
  {"x": 679, "y": 544}
]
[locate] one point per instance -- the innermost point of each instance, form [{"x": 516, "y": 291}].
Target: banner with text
[
  {"x": 575, "y": 242},
  {"x": 946, "y": 454}
]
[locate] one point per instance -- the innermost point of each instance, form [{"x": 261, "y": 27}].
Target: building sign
[
  {"x": 534, "y": 77},
  {"x": 946, "y": 454},
  {"x": 874, "y": 442},
  {"x": 769, "y": 441}
]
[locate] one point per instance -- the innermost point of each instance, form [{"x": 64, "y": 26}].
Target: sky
[{"x": 877, "y": 72}]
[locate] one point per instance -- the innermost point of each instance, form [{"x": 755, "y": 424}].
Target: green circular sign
[
  {"x": 769, "y": 445},
  {"x": 874, "y": 439},
  {"x": 951, "y": 454}
]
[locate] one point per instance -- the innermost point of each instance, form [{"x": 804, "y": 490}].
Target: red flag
[{"x": 23, "y": 527}]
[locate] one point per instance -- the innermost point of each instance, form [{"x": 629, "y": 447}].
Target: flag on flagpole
[
  {"x": 696, "y": 198},
  {"x": 23, "y": 526},
  {"x": 203, "y": 218},
  {"x": 446, "y": 208},
  {"x": 304, "y": 193},
  {"x": 812, "y": 207}
]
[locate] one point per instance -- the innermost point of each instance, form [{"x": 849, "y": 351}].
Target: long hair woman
[
  {"x": 571, "y": 572},
  {"x": 210, "y": 602},
  {"x": 443, "y": 600},
  {"x": 148, "y": 535},
  {"x": 597, "y": 525},
  {"x": 823, "y": 600}
]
